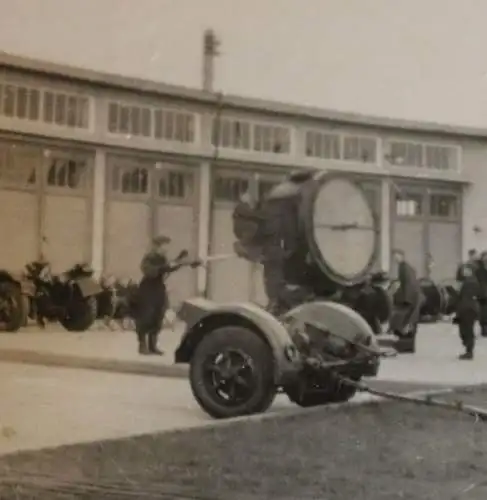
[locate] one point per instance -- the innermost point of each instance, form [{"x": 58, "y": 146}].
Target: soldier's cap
[{"x": 161, "y": 240}]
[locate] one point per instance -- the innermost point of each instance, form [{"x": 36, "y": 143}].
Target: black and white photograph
[{"x": 243, "y": 250}]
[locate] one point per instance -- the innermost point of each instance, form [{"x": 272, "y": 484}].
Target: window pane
[
  {"x": 443, "y": 205},
  {"x": 409, "y": 205},
  {"x": 22, "y": 102},
  {"x": 113, "y": 117},
  {"x": 60, "y": 109},
  {"x": 34, "y": 104},
  {"x": 48, "y": 107},
  {"x": 9, "y": 100}
]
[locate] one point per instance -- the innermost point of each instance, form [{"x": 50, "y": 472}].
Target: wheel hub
[{"x": 231, "y": 375}]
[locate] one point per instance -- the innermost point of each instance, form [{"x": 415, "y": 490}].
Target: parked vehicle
[
  {"x": 15, "y": 293},
  {"x": 69, "y": 298}
]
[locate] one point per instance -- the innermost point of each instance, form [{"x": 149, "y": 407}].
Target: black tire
[
  {"x": 248, "y": 343},
  {"x": 18, "y": 304},
  {"x": 81, "y": 316},
  {"x": 335, "y": 393}
]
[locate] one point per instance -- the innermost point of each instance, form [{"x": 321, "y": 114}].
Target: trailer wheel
[{"x": 232, "y": 373}]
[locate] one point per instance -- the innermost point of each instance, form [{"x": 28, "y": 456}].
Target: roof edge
[{"x": 136, "y": 84}]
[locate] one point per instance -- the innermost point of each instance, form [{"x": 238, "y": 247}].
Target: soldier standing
[
  {"x": 472, "y": 262},
  {"x": 467, "y": 310},
  {"x": 407, "y": 304},
  {"x": 152, "y": 299},
  {"x": 480, "y": 270}
]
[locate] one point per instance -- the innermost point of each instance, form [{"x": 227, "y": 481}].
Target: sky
[{"x": 412, "y": 59}]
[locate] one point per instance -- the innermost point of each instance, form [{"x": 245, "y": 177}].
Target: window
[
  {"x": 67, "y": 173},
  {"x": 230, "y": 188},
  {"x": 173, "y": 184},
  {"x": 18, "y": 165},
  {"x": 322, "y": 145},
  {"x": 440, "y": 157},
  {"x": 360, "y": 149},
  {"x": 174, "y": 125},
  {"x": 406, "y": 153},
  {"x": 130, "y": 179},
  {"x": 409, "y": 205},
  {"x": 19, "y": 102},
  {"x": 444, "y": 205},
  {"x": 232, "y": 134},
  {"x": 129, "y": 120},
  {"x": 271, "y": 139},
  {"x": 65, "y": 110},
  {"x": 419, "y": 155}
]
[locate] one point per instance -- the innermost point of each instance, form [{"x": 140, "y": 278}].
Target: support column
[
  {"x": 204, "y": 215},
  {"x": 99, "y": 194},
  {"x": 385, "y": 225}
]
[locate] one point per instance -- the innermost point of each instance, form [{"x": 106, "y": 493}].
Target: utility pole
[{"x": 210, "y": 52}]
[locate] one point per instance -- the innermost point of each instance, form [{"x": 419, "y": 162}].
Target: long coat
[
  {"x": 407, "y": 300},
  {"x": 481, "y": 275},
  {"x": 467, "y": 306},
  {"x": 151, "y": 301}
]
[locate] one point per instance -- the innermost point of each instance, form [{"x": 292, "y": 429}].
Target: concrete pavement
[
  {"x": 46, "y": 407},
  {"x": 115, "y": 351}
]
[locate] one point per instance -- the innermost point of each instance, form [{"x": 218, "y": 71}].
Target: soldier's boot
[
  {"x": 143, "y": 348},
  {"x": 466, "y": 356},
  {"x": 152, "y": 346}
]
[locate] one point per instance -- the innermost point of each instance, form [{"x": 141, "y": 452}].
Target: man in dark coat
[
  {"x": 152, "y": 300},
  {"x": 407, "y": 304},
  {"x": 467, "y": 310},
  {"x": 480, "y": 271},
  {"x": 472, "y": 262}
]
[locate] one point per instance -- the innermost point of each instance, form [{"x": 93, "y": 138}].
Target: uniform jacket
[
  {"x": 409, "y": 291},
  {"x": 467, "y": 305},
  {"x": 474, "y": 266}
]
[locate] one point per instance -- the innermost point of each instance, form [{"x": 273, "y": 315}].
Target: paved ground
[
  {"x": 438, "y": 346},
  {"x": 45, "y": 406}
]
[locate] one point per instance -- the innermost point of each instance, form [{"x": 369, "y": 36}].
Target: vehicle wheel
[
  {"x": 81, "y": 315},
  {"x": 307, "y": 398},
  {"x": 13, "y": 307},
  {"x": 231, "y": 373}
]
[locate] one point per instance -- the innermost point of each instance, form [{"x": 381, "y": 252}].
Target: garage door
[
  {"x": 148, "y": 199},
  {"x": 444, "y": 234},
  {"x": 19, "y": 204},
  {"x": 228, "y": 279},
  {"x": 176, "y": 217},
  {"x": 66, "y": 208},
  {"x": 408, "y": 228},
  {"x": 128, "y": 216}
]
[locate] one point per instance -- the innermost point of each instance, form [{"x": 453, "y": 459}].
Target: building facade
[{"x": 93, "y": 165}]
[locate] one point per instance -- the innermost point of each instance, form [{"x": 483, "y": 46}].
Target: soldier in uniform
[
  {"x": 480, "y": 271},
  {"x": 152, "y": 300},
  {"x": 407, "y": 304},
  {"x": 467, "y": 310},
  {"x": 472, "y": 262}
]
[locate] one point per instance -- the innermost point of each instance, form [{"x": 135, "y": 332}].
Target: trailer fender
[{"x": 202, "y": 317}]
